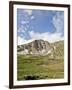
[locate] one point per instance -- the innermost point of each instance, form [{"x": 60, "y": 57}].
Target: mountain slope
[
  {"x": 41, "y": 47},
  {"x": 40, "y": 59},
  {"x": 58, "y": 49},
  {"x": 36, "y": 47}
]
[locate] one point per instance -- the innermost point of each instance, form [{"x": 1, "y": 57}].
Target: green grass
[{"x": 39, "y": 67}]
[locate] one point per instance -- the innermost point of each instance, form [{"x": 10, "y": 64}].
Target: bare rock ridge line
[{"x": 41, "y": 47}]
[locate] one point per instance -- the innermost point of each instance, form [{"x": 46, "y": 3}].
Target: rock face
[
  {"x": 41, "y": 47},
  {"x": 36, "y": 47},
  {"x": 58, "y": 51}
]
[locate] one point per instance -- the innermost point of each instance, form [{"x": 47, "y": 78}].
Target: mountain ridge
[{"x": 40, "y": 47}]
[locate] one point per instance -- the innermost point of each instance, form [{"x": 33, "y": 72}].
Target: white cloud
[
  {"x": 51, "y": 37},
  {"x": 29, "y": 12},
  {"x": 32, "y": 17},
  {"x": 24, "y": 22},
  {"x": 22, "y": 29},
  {"x": 58, "y": 21},
  {"x": 20, "y": 40}
]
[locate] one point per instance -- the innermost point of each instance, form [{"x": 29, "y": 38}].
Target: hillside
[
  {"x": 39, "y": 59},
  {"x": 58, "y": 51},
  {"x": 41, "y": 47}
]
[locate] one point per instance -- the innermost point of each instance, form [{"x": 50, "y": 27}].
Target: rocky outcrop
[
  {"x": 36, "y": 47},
  {"x": 41, "y": 47}
]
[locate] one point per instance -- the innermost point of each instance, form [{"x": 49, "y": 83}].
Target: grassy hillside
[
  {"x": 39, "y": 67},
  {"x": 50, "y": 66}
]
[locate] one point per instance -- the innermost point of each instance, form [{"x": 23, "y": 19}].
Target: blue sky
[{"x": 40, "y": 24}]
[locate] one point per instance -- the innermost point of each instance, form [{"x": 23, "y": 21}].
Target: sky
[{"x": 40, "y": 24}]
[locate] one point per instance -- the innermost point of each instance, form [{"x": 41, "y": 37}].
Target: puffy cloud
[
  {"x": 32, "y": 17},
  {"x": 20, "y": 40},
  {"x": 51, "y": 37},
  {"x": 29, "y": 12},
  {"x": 58, "y": 22},
  {"x": 22, "y": 30},
  {"x": 24, "y": 22}
]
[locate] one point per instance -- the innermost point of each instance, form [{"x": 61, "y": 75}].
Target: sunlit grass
[{"x": 39, "y": 67}]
